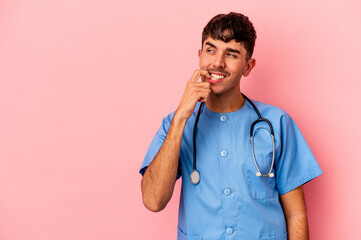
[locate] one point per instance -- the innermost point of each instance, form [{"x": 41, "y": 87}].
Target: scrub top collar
[{"x": 246, "y": 106}]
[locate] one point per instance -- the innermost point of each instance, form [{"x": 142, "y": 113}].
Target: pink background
[{"x": 84, "y": 85}]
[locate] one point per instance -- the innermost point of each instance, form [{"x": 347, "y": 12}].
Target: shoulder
[
  {"x": 278, "y": 116},
  {"x": 269, "y": 109}
]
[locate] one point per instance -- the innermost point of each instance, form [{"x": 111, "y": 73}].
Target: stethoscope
[{"x": 195, "y": 176}]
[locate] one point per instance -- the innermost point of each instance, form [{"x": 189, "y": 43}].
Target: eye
[
  {"x": 210, "y": 51},
  {"x": 231, "y": 55}
]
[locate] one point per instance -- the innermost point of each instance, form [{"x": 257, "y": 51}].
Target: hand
[{"x": 195, "y": 92}]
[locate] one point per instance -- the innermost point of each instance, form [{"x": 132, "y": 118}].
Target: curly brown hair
[{"x": 230, "y": 26}]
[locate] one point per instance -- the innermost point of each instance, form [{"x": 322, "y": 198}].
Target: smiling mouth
[{"x": 216, "y": 78}]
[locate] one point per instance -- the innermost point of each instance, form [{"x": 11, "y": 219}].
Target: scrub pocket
[
  {"x": 182, "y": 236},
  {"x": 283, "y": 236},
  {"x": 261, "y": 187}
]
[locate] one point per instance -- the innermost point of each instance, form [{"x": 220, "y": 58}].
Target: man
[{"x": 241, "y": 193}]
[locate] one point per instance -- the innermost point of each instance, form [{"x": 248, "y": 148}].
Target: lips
[
  {"x": 217, "y": 73},
  {"x": 210, "y": 80},
  {"x": 216, "y": 77}
]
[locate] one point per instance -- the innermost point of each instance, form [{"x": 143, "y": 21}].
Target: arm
[
  {"x": 294, "y": 207},
  {"x": 159, "y": 179}
]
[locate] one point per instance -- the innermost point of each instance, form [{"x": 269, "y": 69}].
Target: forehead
[{"x": 224, "y": 45}]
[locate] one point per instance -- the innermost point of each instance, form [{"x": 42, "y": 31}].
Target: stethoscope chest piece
[{"x": 195, "y": 177}]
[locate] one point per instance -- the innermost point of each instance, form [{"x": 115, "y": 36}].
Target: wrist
[{"x": 179, "y": 118}]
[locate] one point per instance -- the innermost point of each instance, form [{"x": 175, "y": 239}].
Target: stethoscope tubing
[
  {"x": 195, "y": 175},
  {"x": 194, "y": 135}
]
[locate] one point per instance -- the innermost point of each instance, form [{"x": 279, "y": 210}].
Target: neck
[{"x": 225, "y": 102}]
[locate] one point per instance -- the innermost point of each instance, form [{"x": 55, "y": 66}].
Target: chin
[{"x": 217, "y": 91}]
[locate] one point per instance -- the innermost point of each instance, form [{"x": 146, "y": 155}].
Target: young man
[{"x": 239, "y": 189}]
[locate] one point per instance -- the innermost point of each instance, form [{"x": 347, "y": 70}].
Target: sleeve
[
  {"x": 296, "y": 164},
  {"x": 156, "y": 144}
]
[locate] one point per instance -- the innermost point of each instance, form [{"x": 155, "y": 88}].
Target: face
[{"x": 226, "y": 62}]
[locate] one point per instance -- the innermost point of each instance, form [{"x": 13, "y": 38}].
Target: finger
[
  {"x": 198, "y": 73},
  {"x": 202, "y": 95},
  {"x": 202, "y": 99},
  {"x": 202, "y": 84},
  {"x": 205, "y": 73},
  {"x": 195, "y": 76},
  {"x": 199, "y": 89}
]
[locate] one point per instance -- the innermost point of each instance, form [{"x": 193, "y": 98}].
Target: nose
[{"x": 218, "y": 61}]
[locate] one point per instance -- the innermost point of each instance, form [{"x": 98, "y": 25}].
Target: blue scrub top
[{"x": 230, "y": 201}]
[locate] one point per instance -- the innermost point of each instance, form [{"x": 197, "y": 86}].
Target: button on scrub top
[{"x": 230, "y": 201}]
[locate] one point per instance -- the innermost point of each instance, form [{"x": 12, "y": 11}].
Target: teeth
[{"x": 216, "y": 77}]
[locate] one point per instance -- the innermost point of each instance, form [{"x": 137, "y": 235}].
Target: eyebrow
[{"x": 227, "y": 49}]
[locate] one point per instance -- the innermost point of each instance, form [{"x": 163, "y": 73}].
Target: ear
[
  {"x": 199, "y": 53},
  {"x": 251, "y": 63}
]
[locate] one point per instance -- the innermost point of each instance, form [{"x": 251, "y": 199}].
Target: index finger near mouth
[
  {"x": 195, "y": 76},
  {"x": 205, "y": 73}
]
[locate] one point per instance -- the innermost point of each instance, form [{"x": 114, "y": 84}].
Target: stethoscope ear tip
[{"x": 258, "y": 174}]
